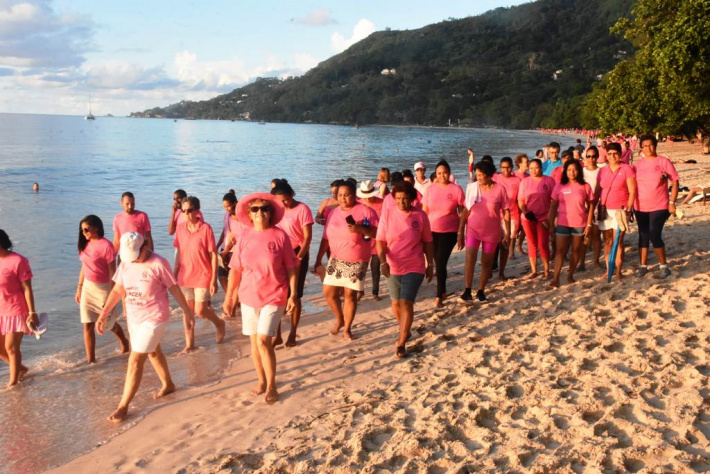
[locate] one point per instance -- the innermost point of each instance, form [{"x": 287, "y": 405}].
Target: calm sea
[{"x": 84, "y": 166}]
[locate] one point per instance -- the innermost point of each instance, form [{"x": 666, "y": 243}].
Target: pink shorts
[{"x": 488, "y": 247}]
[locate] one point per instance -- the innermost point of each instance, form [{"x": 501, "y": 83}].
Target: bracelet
[{"x": 30, "y": 313}]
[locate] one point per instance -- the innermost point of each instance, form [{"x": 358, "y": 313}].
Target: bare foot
[
  {"x": 119, "y": 415},
  {"x": 502, "y": 277},
  {"x": 547, "y": 275},
  {"x": 348, "y": 335},
  {"x": 259, "y": 389},
  {"x": 438, "y": 303},
  {"x": 221, "y": 330},
  {"x": 530, "y": 276},
  {"x": 278, "y": 340},
  {"x": 272, "y": 396},
  {"x": 409, "y": 335},
  {"x": 360, "y": 294},
  {"x": 570, "y": 279},
  {"x": 446, "y": 295},
  {"x": 185, "y": 351},
  {"x": 336, "y": 329},
  {"x": 23, "y": 372},
  {"x": 166, "y": 390},
  {"x": 291, "y": 341},
  {"x": 555, "y": 283}
]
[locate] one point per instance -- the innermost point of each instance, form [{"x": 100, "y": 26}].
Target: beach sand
[{"x": 591, "y": 377}]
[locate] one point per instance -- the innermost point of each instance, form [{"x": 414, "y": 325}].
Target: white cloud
[
  {"x": 303, "y": 62},
  {"x": 317, "y": 17},
  {"x": 129, "y": 76},
  {"x": 362, "y": 30}
]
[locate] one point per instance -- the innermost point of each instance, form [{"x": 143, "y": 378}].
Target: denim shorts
[
  {"x": 405, "y": 286},
  {"x": 565, "y": 231}
]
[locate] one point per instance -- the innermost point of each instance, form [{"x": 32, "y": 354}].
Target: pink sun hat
[{"x": 242, "y": 210}]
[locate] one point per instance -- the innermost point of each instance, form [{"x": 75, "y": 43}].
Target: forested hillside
[{"x": 520, "y": 67}]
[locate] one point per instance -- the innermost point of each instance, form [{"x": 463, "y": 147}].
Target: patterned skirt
[{"x": 345, "y": 274}]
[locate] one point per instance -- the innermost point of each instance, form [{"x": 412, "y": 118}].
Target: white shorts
[
  {"x": 610, "y": 223},
  {"x": 146, "y": 335},
  {"x": 201, "y": 295},
  {"x": 261, "y": 320}
]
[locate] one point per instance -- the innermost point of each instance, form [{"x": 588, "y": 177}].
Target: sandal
[{"x": 400, "y": 352}]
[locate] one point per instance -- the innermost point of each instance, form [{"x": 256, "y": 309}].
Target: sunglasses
[
  {"x": 189, "y": 211},
  {"x": 255, "y": 209},
  {"x": 591, "y": 156}
]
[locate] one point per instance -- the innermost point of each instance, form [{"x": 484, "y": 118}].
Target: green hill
[{"x": 520, "y": 67}]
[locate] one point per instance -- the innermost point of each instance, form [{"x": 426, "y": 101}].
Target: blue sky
[{"x": 132, "y": 55}]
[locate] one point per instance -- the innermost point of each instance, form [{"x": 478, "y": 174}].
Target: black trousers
[{"x": 444, "y": 243}]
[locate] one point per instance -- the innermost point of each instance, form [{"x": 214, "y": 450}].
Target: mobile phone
[{"x": 350, "y": 220}]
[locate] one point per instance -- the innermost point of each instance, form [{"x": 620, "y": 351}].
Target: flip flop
[{"x": 41, "y": 326}]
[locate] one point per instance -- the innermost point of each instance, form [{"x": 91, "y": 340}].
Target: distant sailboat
[{"x": 90, "y": 116}]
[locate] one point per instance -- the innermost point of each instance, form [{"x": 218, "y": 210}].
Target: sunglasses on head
[{"x": 256, "y": 209}]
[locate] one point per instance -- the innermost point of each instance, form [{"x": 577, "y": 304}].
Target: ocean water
[{"x": 83, "y": 167}]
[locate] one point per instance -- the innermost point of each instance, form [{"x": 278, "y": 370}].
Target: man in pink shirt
[
  {"x": 131, "y": 220},
  {"x": 143, "y": 279},
  {"x": 652, "y": 206}
]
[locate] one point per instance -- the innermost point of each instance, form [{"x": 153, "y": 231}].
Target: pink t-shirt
[
  {"x": 652, "y": 192},
  {"x": 146, "y": 284},
  {"x": 345, "y": 245},
  {"x": 442, "y": 203},
  {"x": 181, "y": 218},
  {"x": 194, "y": 249},
  {"x": 235, "y": 228},
  {"x": 377, "y": 206},
  {"x": 14, "y": 269},
  {"x": 405, "y": 234},
  {"x": 615, "y": 192},
  {"x": 136, "y": 222},
  {"x": 511, "y": 185},
  {"x": 572, "y": 197},
  {"x": 521, "y": 174},
  {"x": 602, "y": 155},
  {"x": 294, "y": 221},
  {"x": 95, "y": 258},
  {"x": 485, "y": 208},
  {"x": 626, "y": 156},
  {"x": 536, "y": 193},
  {"x": 557, "y": 174},
  {"x": 264, "y": 259}
]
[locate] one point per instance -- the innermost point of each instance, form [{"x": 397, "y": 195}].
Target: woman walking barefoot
[
  {"x": 17, "y": 307},
  {"x": 264, "y": 268},
  {"x": 143, "y": 278},
  {"x": 344, "y": 236},
  {"x": 534, "y": 197},
  {"x": 573, "y": 207},
  {"x": 403, "y": 240},
  {"x": 98, "y": 265}
]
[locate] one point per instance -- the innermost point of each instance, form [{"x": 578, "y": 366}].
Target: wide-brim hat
[
  {"x": 366, "y": 190},
  {"x": 278, "y": 209}
]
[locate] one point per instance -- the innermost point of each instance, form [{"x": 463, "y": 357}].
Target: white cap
[
  {"x": 131, "y": 243},
  {"x": 419, "y": 164}
]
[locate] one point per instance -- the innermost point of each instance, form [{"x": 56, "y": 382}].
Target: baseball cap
[{"x": 131, "y": 243}]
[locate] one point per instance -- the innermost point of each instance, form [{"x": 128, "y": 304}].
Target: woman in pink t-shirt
[
  {"x": 143, "y": 280},
  {"x": 534, "y": 197},
  {"x": 345, "y": 236},
  {"x": 196, "y": 271},
  {"x": 329, "y": 203},
  {"x": 573, "y": 208},
  {"x": 403, "y": 240},
  {"x": 480, "y": 226},
  {"x": 226, "y": 239},
  {"x": 443, "y": 201},
  {"x": 17, "y": 307},
  {"x": 511, "y": 182},
  {"x": 616, "y": 192},
  {"x": 265, "y": 269},
  {"x": 652, "y": 206},
  {"x": 98, "y": 264},
  {"x": 298, "y": 225}
]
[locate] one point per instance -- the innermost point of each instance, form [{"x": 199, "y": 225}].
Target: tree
[{"x": 665, "y": 86}]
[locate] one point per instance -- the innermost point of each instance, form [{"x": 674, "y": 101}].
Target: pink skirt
[{"x": 10, "y": 324}]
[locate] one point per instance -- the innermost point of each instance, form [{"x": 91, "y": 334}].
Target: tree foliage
[
  {"x": 520, "y": 67},
  {"x": 665, "y": 86}
]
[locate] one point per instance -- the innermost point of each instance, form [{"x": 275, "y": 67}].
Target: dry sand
[{"x": 592, "y": 377}]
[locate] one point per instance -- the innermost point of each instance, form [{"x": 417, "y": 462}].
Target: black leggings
[
  {"x": 650, "y": 227},
  {"x": 444, "y": 243},
  {"x": 375, "y": 268}
]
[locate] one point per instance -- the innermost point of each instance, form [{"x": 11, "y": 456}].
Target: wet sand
[{"x": 591, "y": 377}]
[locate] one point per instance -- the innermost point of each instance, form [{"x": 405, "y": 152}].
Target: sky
[{"x": 58, "y": 55}]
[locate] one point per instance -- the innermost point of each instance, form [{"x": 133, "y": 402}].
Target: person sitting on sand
[
  {"x": 143, "y": 279},
  {"x": 443, "y": 201},
  {"x": 652, "y": 206},
  {"x": 196, "y": 271},
  {"x": 616, "y": 192},
  {"x": 17, "y": 307},
  {"x": 534, "y": 197},
  {"x": 98, "y": 265},
  {"x": 329, "y": 203},
  {"x": 480, "y": 227},
  {"x": 131, "y": 220},
  {"x": 265, "y": 270},
  {"x": 696, "y": 191},
  {"x": 298, "y": 225},
  {"x": 573, "y": 208},
  {"x": 403, "y": 240},
  {"x": 345, "y": 236}
]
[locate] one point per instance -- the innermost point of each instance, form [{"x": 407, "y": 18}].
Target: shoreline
[{"x": 589, "y": 376}]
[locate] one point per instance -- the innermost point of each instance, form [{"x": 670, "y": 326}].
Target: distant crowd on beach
[{"x": 572, "y": 207}]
